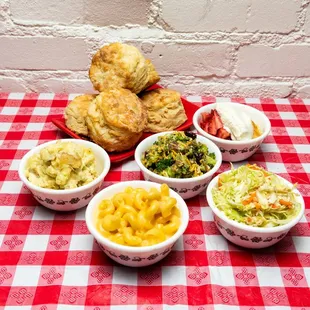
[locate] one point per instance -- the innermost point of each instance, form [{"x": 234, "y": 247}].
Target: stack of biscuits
[{"x": 117, "y": 116}]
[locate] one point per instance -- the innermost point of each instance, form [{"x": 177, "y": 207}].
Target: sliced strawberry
[
  {"x": 218, "y": 121},
  {"x": 223, "y": 134},
  {"x": 205, "y": 127},
  {"x": 212, "y": 130},
  {"x": 205, "y": 117},
  {"x": 211, "y": 122},
  {"x": 205, "y": 120}
]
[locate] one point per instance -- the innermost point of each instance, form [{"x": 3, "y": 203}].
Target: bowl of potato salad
[
  {"x": 137, "y": 223},
  {"x": 65, "y": 174}
]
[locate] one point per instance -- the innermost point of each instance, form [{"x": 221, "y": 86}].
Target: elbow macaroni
[{"x": 137, "y": 217}]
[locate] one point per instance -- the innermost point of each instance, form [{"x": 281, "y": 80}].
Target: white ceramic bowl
[
  {"x": 188, "y": 187},
  {"x": 127, "y": 255},
  {"x": 234, "y": 151},
  {"x": 68, "y": 199},
  {"x": 248, "y": 236}
]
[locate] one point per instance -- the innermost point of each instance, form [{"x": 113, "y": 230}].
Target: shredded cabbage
[{"x": 255, "y": 197}]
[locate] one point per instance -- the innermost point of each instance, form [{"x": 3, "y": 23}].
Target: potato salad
[{"x": 63, "y": 165}]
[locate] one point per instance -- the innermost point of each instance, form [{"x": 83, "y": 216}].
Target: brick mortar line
[
  {"x": 176, "y": 38},
  {"x": 242, "y": 39},
  {"x": 82, "y": 75}
]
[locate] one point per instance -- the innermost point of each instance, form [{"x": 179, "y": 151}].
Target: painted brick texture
[
  {"x": 44, "y": 11},
  {"x": 107, "y": 12},
  {"x": 307, "y": 22},
  {"x": 205, "y": 47},
  {"x": 184, "y": 59},
  {"x": 263, "y": 61},
  {"x": 99, "y": 13},
  {"x": 43, "y": 53},
  {"x": 231, "y": 15}
]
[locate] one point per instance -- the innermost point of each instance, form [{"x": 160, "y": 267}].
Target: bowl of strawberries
[{"x": 237, "y": 129}]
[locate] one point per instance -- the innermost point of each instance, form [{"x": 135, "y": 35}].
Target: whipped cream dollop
[{"x": 236, "y": 122}]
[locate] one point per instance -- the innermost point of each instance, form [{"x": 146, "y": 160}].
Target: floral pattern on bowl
[
  {"x": 135, "y": 258},
  {"x": 72, "y": 201},
  {"x": 244, "y": 150},
  {"x": 183, "y": 190},
  {"x": 253, "y": 239}
]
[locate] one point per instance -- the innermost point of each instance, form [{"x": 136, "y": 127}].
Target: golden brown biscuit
[
  {"x": 116, "y": 119},
  {"x": 153, "y": 75},
  {"x": 165, "y": 110},
  {"x": 75, "y": 113},
  {"x": 121, "y": 65}
]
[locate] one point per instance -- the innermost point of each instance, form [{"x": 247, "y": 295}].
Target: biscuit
[
  {"x": 165, "y": 110},
  {"x": 153, "y": 75},
  {"x": 121, "y": 65},
  {"x": 76, "y": 112},
  {"x": 116, "y": 119}
]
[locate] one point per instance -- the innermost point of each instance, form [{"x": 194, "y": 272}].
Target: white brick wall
[
  {"x": 44, "y": 12},
  {"x": 264, "y": 61},
  {"x": 43, "y": 53},
  {"x": 201, "y": 59},
  {"x": 218, "y": 47},
  {"x": 307, "y": 23},
  {"x": 232, "y": 15}
]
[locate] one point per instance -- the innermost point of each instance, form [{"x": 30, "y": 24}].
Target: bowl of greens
[
  {"x": 252, "y": 207},
  {"x": 183, "y": 160}
]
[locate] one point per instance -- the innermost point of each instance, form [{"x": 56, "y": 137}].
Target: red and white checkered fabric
[{"x": 49, "y": 260}]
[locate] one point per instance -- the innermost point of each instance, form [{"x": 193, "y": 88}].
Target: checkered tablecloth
[{"x": 49, "y": 261}]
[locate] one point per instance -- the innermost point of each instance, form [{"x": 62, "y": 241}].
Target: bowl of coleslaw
[{"x": 252, "y": 207}]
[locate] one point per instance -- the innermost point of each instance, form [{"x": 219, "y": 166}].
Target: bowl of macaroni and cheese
[
  {"x": 64, "y": 174},
  {"x": 136, "y": 223},
  {"x": 183, "y": 160}
]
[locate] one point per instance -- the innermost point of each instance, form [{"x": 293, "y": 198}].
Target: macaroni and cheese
[{"x": 137, "y": 217}]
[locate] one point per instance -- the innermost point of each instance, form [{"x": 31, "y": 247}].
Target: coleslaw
[{"x": 255, "y": 197}]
